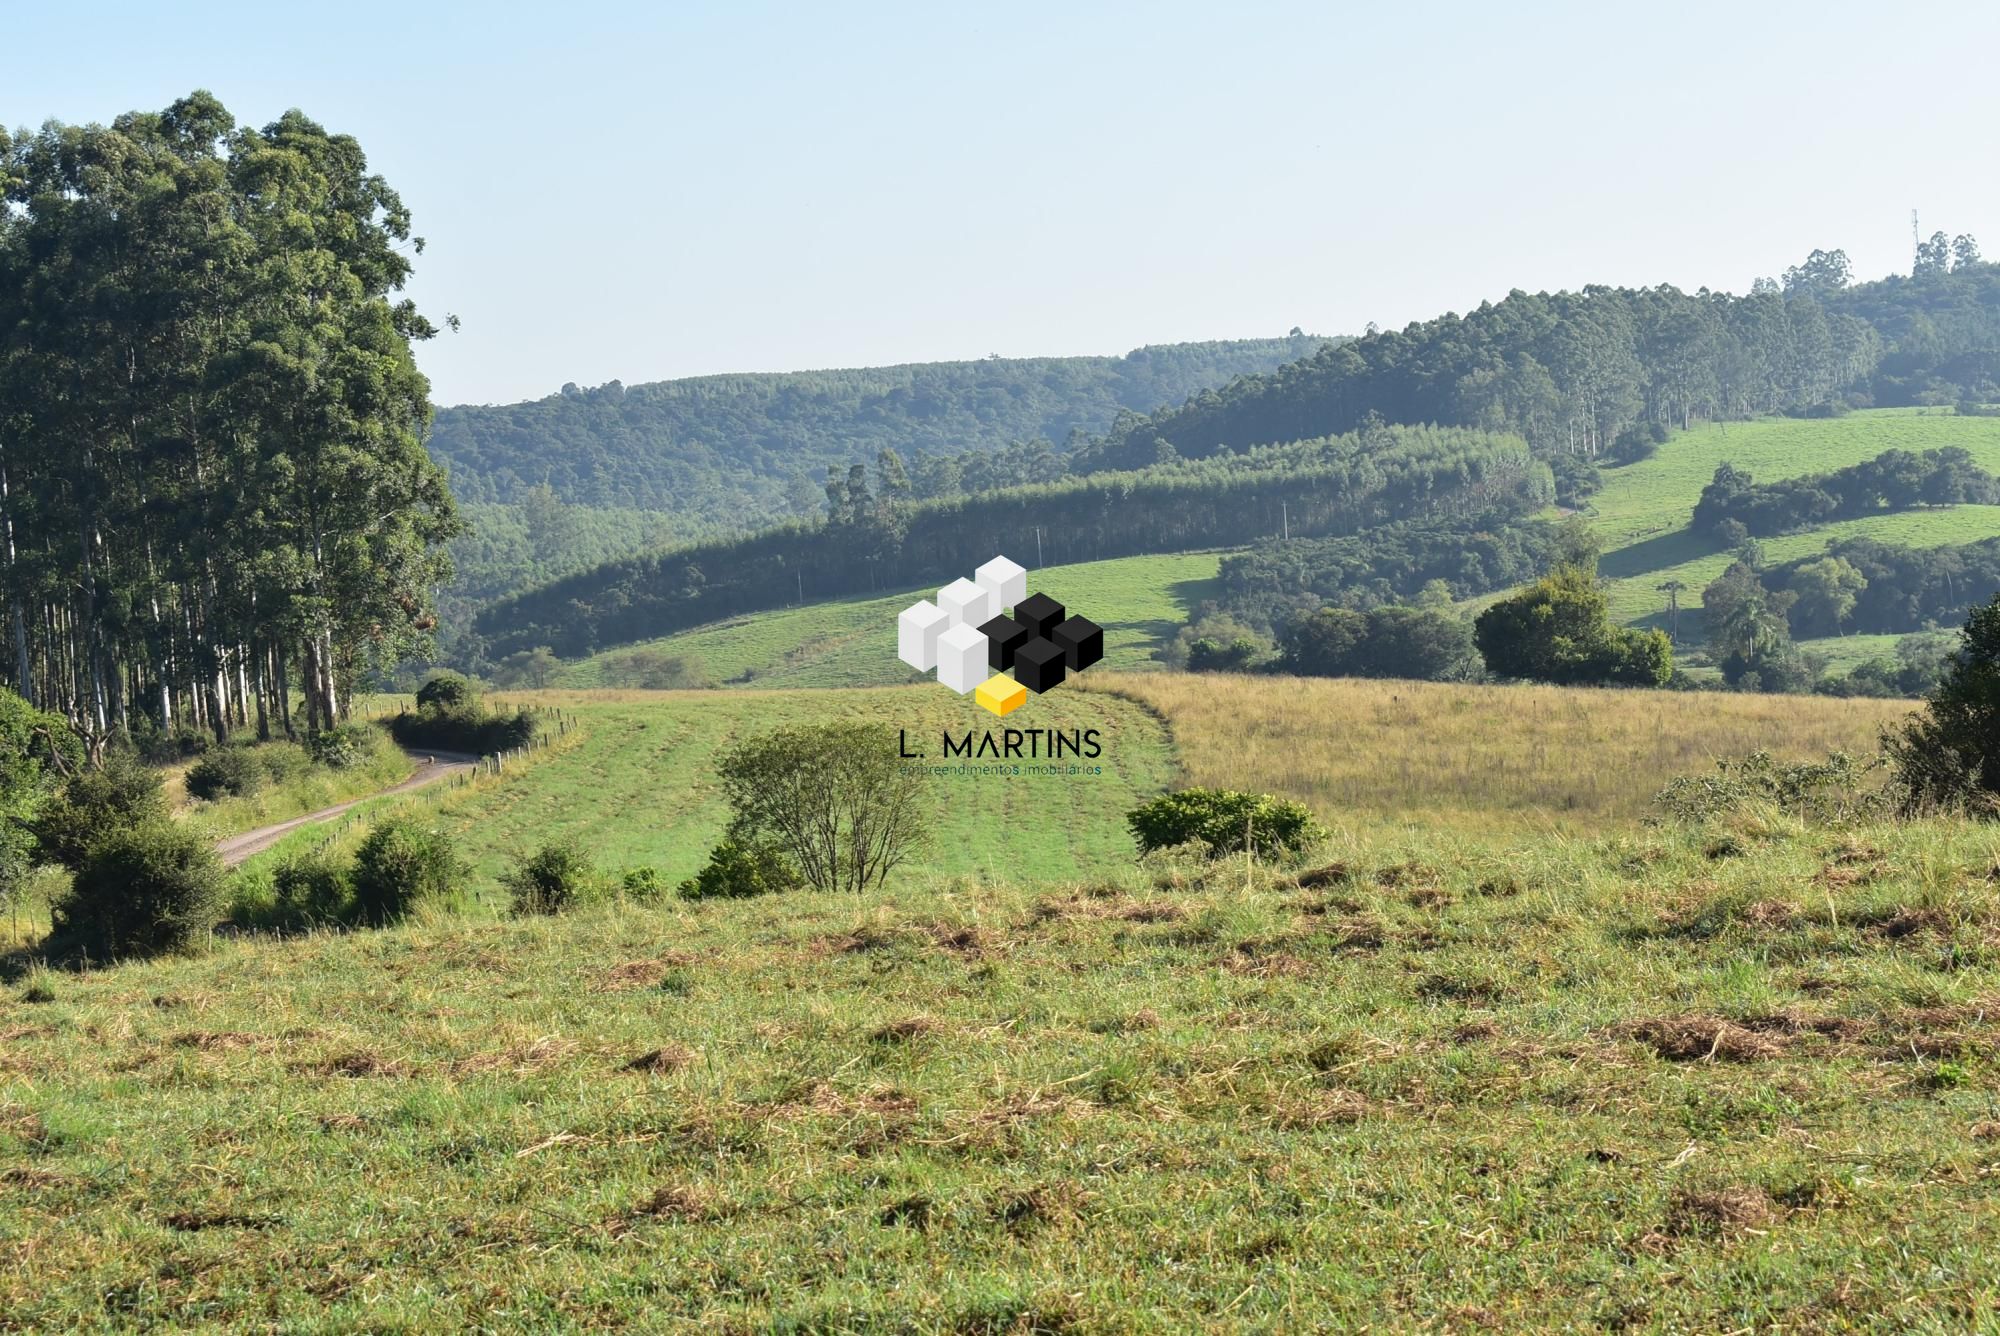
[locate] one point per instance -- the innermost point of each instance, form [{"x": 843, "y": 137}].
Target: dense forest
[
  {"x": 1275, "y": 583},
  {"x": 214, "y": 498},
  {"x": 747, "y": 448},
  {"x": 1591, "y": 373},
  {"x": 877, "y": 538}
]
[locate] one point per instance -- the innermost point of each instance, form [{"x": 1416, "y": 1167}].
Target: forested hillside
[
  {"x": 744, "y": 448},
  {"x": 873, "y": 540},
  {"x": 1608, "y": 370}
]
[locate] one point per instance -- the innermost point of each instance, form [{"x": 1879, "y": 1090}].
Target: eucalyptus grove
[{"x": 214, "y": 495}]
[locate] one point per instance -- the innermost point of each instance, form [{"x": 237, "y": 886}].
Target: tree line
[
  {"x": 743, "y": 449},
  {"x": 1734, "y": 506},
  {"x": 876, "y": 538},
  {"x": 1594, "y": 372},
  {"x": 214, "y": 496}
]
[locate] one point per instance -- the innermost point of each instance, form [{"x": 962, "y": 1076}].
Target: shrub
[
  {"x": 556, "y": 877},
  {"x": 471, "y": 729},
  {"x": 118, "y": 795},
  {"x": 401, "y": 864},
  {"x": 343, "y": 748},
  {"x": 737, "y": 869},
  {"x": 144, "y": 891},
  {"x": 226, "y": 772},
  {"x": 642, "y": 884},
  {"x": 283, "y": 762},
  {"x": 177, "y": 744},
  {"x": 834, "y": 797},
  {"x": 446, "y": 691},
  {"x": 1832, "y": 791},
  {"x": 1223, "y": 819},
  {"x": 312, "y": 889}
]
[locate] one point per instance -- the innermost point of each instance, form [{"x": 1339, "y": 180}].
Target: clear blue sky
[{"x": 647, "y": 191}]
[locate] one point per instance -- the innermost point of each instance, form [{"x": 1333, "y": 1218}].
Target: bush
[
  {"x": 833, "y": 797},
  {"x": 144, "y": 891},
  {"x": 312, "y": 889},
  {"x": 343, "y": 748},
  {"x": 556, "y": 877},
  {"x": 446, "y": 691},
  {"x": 1833, "y": 791},
  {"x": 739, "y": 869},
  {"x": 118, "y": 795},
  {"x": 403, "y": 863},
  {"x": 283, "y": 762},
  {"x": 1223, "y": 819},
  {"x": 471, "y": 729},
  {"x": 226, "y": 772},
  {"x": 642, "y": 884}
]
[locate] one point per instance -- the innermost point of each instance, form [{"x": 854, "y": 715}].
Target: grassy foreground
[{"x": 1730, "y": 1080}]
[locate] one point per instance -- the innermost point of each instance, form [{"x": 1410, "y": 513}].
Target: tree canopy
[{"x": 213, "y": 488}]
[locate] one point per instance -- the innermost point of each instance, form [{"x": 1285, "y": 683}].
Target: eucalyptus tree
[{"x": 213, "y": 486}]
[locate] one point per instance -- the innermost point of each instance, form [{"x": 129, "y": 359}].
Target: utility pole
[
  {"x": 1285, "y": 512},
  {"x": 1038, "y": 547}
]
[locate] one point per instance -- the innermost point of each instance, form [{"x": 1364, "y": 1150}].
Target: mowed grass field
[
  {"x": 1643, "y": 510},
  {"x": 1139, "y": 601},
  {"x": 1430, "y": 755},
  {"x": 637, "y": 787},
  {"x": 1660, "y": 1081}
]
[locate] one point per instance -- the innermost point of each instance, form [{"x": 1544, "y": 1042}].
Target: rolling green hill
[
  {"x": 1139, "y": 601},
  {"x": 1642, "y": 512},
  {"x": 724, "y": 448}
]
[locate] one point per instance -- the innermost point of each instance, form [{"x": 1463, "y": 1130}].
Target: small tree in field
[
  {"x": 833, "y": 797},
  {"x": 1559, "y": 630},
  {"x": 1949, "y": 755}
]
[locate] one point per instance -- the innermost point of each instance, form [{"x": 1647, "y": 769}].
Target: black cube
[
  {"x": 1039, "y": 613},
  {"x": 1038, "y": 664},
  {"x": 1003, "y": 635},
  {"x": 1081, "y": 641}
]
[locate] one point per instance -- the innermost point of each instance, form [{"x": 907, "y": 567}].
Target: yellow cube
[{"x": 1001, "y": 694}]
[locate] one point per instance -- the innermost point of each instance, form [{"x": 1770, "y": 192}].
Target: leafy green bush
[
  {"x": 642, "y": 884},
  {"x": 343, "y": 748},
  {"x": 556, "y": 877},
  {"x": 312, "y": 889},
  {"x": 1224, "y": 819},
  {"x": 401, "y": 864},
  {"x": 143, "y": 891},
  {"x": 446, "y": 691},
  {"x": 737, "y": 869},
  {"x": 1832, "y": 791},
  {"x": 470, "y": 728},
  {"x": 226, "y": 772},
  {"x": 118, "y": 795},
  {"x": 176, "y": 744},
  {"x": 283, "y": 762}
]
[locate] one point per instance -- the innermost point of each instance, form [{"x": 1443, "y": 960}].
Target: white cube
[
  {"x": 1006, "y": 580},
  {"x": 962, "y": 658},
  {"x": 967, "y": 604},
  {"x": 917, "y": 632}
]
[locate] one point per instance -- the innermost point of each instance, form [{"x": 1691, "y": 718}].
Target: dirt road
[{"x": 431, "y": 767}]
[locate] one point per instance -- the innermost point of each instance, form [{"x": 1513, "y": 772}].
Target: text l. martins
[{"x": 1013, "y": 743}]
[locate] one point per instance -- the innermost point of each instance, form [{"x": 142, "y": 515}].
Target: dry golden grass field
[{"x": 1476, "y": 758}]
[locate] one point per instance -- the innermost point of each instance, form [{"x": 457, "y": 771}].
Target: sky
[{"x": 648, "y": 191}]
